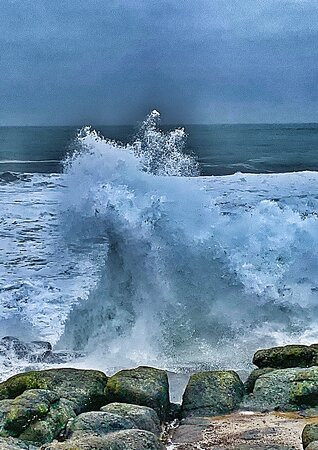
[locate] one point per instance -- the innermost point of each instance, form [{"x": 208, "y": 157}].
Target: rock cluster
[
  {"x": 84, "y": 409},
  {"x": 76, "y": 409}
]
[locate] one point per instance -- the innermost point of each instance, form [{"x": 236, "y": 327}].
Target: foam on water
[{"x": 150, "y": 263}]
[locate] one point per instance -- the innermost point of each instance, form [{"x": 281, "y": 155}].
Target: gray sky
[{"x": 199, "y": 61}]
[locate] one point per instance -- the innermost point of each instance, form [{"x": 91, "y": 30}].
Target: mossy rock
[
  {"x": 284, "y": 357},
  {"x": 36, "y": 416},
  {"x": 212, "y": 393},
  {"x": 84, "y": 388},
  {"x": 120, "y": 440},
  {"x": 309, "y": 434},
  {"x": 253, "y": 376},
  {"x": 304, "y": 391},
  {"x": 143, "y": 417},
  {"x": 144, "y": 386},
  {"x": 286, "y": 390}
]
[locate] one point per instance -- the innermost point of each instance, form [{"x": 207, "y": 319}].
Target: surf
[{"x": 189, "y": 271}]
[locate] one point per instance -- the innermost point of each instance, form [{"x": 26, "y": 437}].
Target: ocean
[{"x": 179, "y": 249}]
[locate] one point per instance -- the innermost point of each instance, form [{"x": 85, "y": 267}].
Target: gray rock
[
  {"x": 84, "y": 388},
  {"x": 8, "y": 177},
  {"x": 14, "y": 346},
  {"x": 143, "y": 418},
  {"x": 98, "y": 423},
  {"x": 212, "y": 393},
  {"x": 284, "y": 357},
  {"x": 143, "y": 386},
  {"x": 120, "y": 440}
]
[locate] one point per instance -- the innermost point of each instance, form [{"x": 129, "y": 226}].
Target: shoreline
[{"x": 71, "y": 408}]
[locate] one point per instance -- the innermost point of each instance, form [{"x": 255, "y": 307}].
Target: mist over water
[{"x": 191, "y": 271}]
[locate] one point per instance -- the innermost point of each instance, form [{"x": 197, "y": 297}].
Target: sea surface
[{"x": 179, "y": 249}]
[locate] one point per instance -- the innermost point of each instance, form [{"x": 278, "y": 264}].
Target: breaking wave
[{"x": 191, "y": 271}]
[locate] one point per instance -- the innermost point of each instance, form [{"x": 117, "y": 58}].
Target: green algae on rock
[
  {"x": 285, "y": 357},
  {"x": 285, "y": 390},
  {"x": 120, "y": 440},
  {"x": 144, "y": 386},
  {"x": 212, "y": 393},
  {"x": 84, "y": 388},
  {"x": 36, "y": 416}
]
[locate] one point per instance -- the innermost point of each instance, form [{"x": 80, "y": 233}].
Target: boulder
[
  {"x": 285, "y": 390},
  {"x": 142, "y": 417},
  {"x": 8, "y": 177},
  {"x": 84, "y": 388},
  {"x": 36, "y": 415},
  {"x": 253, "y": 376},
  {"x": 304, "y": 390},
  {"x": 284, "y": 357},
  {"x": 15, "y": 444},
  {"x": 98, "y": 423},
  {"x": 310, "y": 434},
  {"x": 120, "y": 440},
  {"x": 212, "y": 393},
  {"x": 14, "y": 346},
  {"x": 144, "y": 386},
  {"x": 34, "y": 352}
]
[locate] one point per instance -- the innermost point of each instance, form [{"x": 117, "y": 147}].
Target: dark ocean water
[{"x": 220, "y": 149}]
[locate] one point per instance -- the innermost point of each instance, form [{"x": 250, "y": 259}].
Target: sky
[{"x": 200, "y": 61}]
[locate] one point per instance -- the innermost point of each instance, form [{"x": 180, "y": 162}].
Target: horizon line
[{"x": 162, "y": 124}]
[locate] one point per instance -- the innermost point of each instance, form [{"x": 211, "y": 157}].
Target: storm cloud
[{"x": 200, "y": 61}]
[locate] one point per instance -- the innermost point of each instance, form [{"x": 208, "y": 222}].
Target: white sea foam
[{"x": 150, "y": 263}]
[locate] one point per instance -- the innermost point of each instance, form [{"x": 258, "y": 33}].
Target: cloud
[{"x": 107, "y": 62}]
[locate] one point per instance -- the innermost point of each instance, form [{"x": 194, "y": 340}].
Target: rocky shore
[{"x": 75, "y": 409}]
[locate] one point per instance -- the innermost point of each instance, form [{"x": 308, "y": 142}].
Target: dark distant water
[{"x": 220, "y": 149}]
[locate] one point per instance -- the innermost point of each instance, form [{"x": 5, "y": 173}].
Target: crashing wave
[{"x": 184, "y": 276}]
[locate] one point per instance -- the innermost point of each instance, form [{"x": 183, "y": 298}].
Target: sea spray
[{"x": 184, "y": 277}]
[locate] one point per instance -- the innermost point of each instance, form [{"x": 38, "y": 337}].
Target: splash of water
[{"x": 184, "y": 277}]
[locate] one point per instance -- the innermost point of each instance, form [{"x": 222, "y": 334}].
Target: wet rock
[
  {"x": 14, "y": 346},
  {"x": 309, "y": 434},
  {"x": 84, "y": 388},
  {"x": 143, "y": 386},
  {"x": 8, "y": 177},
  {"x": 251, "y": 380},
  {"x": 284, "y": 357},
  {"x": 285, "y": 390},
  {"x": 212, "y": 393},
  {"x": 142, "y": 417},
  {"x": 120, "y": 440},
  {"x": 15, "y": 444},
  {"x": 34, "y": 352},
  {"x": 36, "y": 415}
]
